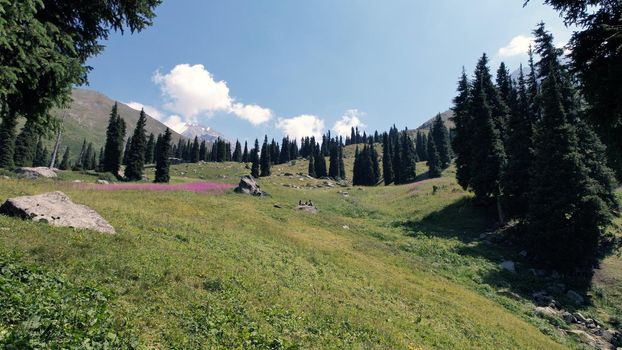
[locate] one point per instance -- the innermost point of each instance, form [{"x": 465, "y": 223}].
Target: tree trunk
[{"x": 56, "y": 146}]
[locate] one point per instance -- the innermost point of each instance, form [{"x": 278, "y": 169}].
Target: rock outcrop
[
  {"x": 307, "y": 208},
  {"x": 248, "y": 185},
  {"x": 33, "y": 173},
  {"x": 56, "y": 209}
]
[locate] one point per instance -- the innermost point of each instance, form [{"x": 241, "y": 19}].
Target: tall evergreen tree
[
  {"x": 387, "y": 162},
  {"x": 41, "y": 155},
  {"x": 463, "y": 132},
  {"x": 64, "y": 164},
  {"x": 311, "y": 168},
  {"x": 342, "y": 167},
  {"x": 138, "y": 144},
  {"x": 114, "y": 142},
  {"x": 264, "y": 161},
  {"x": 203, "y": 151},
  {"x": 163, "y": 163},
  {"x": 408, "y": 161},
  {"x": 7, "y": 136},
  {"x": 434, "y": 159},
  {"x": 245, "y": 156},
  {"x": 320, "y": 163},
  {"x": 237, "y": 152},
  {"x": 25, "y": 145},
  {"x": 441, "y": 140},
  {"x": 150, "y": 149},
  {"x": 255, "y": 160},
  {"x": 195, "y": 154},
  {"x": 333, "y": 168}
]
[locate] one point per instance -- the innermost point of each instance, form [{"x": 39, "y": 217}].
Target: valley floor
[{"x": 390, "y": 267}]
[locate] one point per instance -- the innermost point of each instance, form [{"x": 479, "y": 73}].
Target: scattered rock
[
  {"x": 4, "y": 177},
  {"x": 546, "y": 311},
  {"x": 541, "y": 298},
  {"x": 508, "y": 265},
  {"x": 56, "y": 209},
  {"x": 288, "y": 174},
  {"x": 307, "y": 208},
  {"x": 569, "y": 318},
  {"x": 575, "y": 297},
  {"x": 580, "y": 318},
  {"x": 33, "y": 173},
  {"x": 508, "y": 293},
  {"x": 345, "y": 227},
  {"x": 248, "y": 185},
  {"x": 102, "y": 182},
  {"x": 278, "y": 206}
]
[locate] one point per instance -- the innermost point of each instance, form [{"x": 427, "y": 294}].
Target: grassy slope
[{"x": 219, "y": 269}]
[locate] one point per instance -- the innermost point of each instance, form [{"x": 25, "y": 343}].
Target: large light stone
[{"x": 56, "y": 209}]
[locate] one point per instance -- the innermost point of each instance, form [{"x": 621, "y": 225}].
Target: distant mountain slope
[
  {"x": 445, "y": 116},
  {"x": 87, "y": 117}
]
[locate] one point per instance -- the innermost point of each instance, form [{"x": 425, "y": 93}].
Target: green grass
[{"x": 221, "y": 270}]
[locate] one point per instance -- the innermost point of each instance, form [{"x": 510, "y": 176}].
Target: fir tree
[
  {"x": 41, "y": 155},
  {"x": 126, "y": 151},
  {"x": 408, "y": 162},
  {"x": 387, "y": 162},
  {"x": 311, "y": 169},
  {"x": 163, "y": 163},
  {"x": 333, "y": 168},
  {"x": 150, "y": 149},
  {"x": 434, "y": 160},
  {"x": 320, "y": 163},
  {"x": 114, "y": 142},
  {"x": 463, "y": 132},
  {"x": 255, "y": 160},
  {"x": 441, "y": 140},
  {"x": 245, "y": 157},
  {"x": 7, "y": 137},
  {"x": 136, "y": 158},
  {"x": 237, "y": 152},
  {"x": 64, "y": 164},
  {"x": 87, "y": 156},
  {"x": 265, "y": 158},
  {"x": 342, "y": 168},
  {"x": 203, "y": 151},
  {"x": 25, "y": 145}
]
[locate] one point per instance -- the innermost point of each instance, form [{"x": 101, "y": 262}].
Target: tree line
[{"x": 525, "y": 146}]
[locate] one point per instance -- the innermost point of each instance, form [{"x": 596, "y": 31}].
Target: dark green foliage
[
  {"x": 163, "y": 163},
  {"x": 311, "y": 169},
  {"x": 434, "y": 160},
  {"x": 255, "y": 160},
  {"x": 320, "y": 163},
  {"x": 245, "y": 156},
  {"x": 40, "y": 65},
  {"x": 365, "y": 172},
  {"x": 342, "y": 167},
  {"x": 114, "y": 143},
  {"x": 441, "y": 140},
  {"x": 136, "y": 158},
  {"x": 422, "y": 146},
  {"x": 195, "y": 154},
  {"x": 41, "y": 155},
  {"x": 334, "y": 170},
  {"x": 264, "y": 161},
  {"x": 406, "y": 173},
  {"x": 150, "y": 150},
  {"x": 463, "y": 132},
  {"x": 203, "y": 151},
  {"x": 41, "y": 310},
  {"x": 7, "y": 137},
  {"x": 387, "y": 162},
  {"x": 237, "y": 152},
  {"x": 519, "y": 149},
  {"x": 64, "y": 164},
  {"x": 126, "y": 151},
  {"x": 25, "y": 145}
]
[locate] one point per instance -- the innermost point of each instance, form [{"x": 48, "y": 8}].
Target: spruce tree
[
  {"x": 311, "y": 168},
  {"x": 333, "y": 169},
  {"x": 64, "y": 164},
  {"x": 375, "y": 165},
  {"x": 237, "y": 152},
  {"x": 203, "y": 151},
  {"x": 320, "y": 163},
  {"x": 245, "y": 157},
  {"x": 434, "y": 160},
  {"x": 136, "y": 158},
  {"x": 265, "y": 158},
  {"x": 41, "y": 155},
  {"x": 519, "y": 149},
  {"x": 150, "y": 149},
  {"x": 408, "y": 162},
  {"x": 25, "y": 145},
  {"x": 7, "y": 137},
  {"x": 126, "y": 151},
  {"x": 463, "y": 132},
  {"x": 113, "y": 150},
  {"x": 255, "y": 160},
  {"x": 441, "y": 140},
  {"x": 163, "y": 163},
  {"x": 387, "y": 162},
  {"x": 86, "y": 158},
  {"x": 342, "y": 167}
]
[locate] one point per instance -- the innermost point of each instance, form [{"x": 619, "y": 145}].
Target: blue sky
[{"x": 248, "y": 68}]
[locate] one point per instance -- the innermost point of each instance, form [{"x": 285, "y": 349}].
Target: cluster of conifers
[{"x": 525, "y": 145}]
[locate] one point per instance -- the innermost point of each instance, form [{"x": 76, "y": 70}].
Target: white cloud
[
  {"x": 519, "y": 45},
  {"x": 301, "y": 126},
  {"x": 150, "y": 110},
  {"x": 192, "y": 91},
  {"x": 350, "y": 119},
  {"x": 176, "y": 124}
]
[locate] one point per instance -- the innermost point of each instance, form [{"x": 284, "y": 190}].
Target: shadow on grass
[{"x": 473, "y": 225}]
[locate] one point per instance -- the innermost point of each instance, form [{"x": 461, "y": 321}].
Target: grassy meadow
[{"x": 396, "y": 267}]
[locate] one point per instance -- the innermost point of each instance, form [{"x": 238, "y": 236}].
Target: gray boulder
[
  {"x": 33, "y": 173},
  {"x": 307, "y": 208},
  {"x": 102, "y": 182},
  {"x": 249, "y": 186},
  {"x": 56, "y": 209}
]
